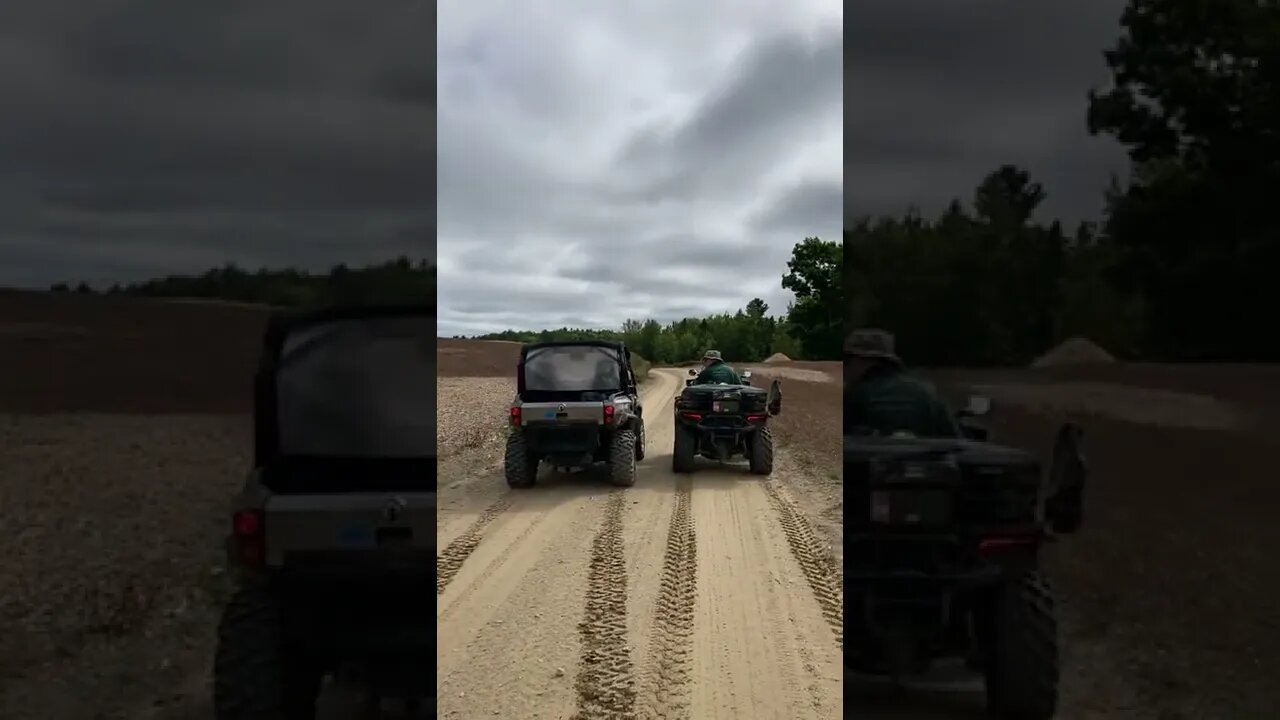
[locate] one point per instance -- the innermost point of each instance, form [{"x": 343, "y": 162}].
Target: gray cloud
[
  {"x": 794, "y": 210},
  {"x": 740, "y": 130},
  {"x": 939, "y": 94},
  {"x": 148, "y": 137},
  {"x": 602, "y": 162}
]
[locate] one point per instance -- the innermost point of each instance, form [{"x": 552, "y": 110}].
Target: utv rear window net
[
  {"x": 358, "y": 388},
  {"x": 572, "y": 368}
]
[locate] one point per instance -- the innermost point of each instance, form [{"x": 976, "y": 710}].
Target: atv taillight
[
  {"x": 515, "y": 416},
  {"x": 756, "y": 418},
  {"x": 695, "y": 417},
  {"x": 609, "y": 410}
]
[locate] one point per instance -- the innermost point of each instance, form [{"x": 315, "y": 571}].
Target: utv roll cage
[
  {"x": 626, "y": 376},
  {"x": 283, "y": 472}
]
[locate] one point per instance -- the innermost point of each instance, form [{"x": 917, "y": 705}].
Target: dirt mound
[
  {"x": 777, "y": 358},
  {"x": 1076, "y": 351},
  {"x": 795, "y": 373}
]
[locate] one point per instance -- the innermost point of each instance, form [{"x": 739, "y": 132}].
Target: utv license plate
[
  {"x": 726, "y": 406},
  {"x": 910, "y": 508},
  {"x": 394, "y": 536},
  {"x": 356, "y": 536}
]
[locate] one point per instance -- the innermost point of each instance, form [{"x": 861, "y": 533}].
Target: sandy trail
[{"x": 700, "y": 596}]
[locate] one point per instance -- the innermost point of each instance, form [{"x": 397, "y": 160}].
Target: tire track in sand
[
  {"x": 814, "y": 562},
  {"x": 494, "y": 568},
  {"x": 605, "y": 684},
  {"x": 665, "y": 688},
  {"x": 450, "y": 560}
]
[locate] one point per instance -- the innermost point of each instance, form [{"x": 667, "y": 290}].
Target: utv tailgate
[
  {"x": 575, "y": 412},
  {"x": 374, "y": 532}
]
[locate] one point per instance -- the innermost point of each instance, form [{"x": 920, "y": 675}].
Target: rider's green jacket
[
  {"x": 887, "y": 400},
  {"x": 718, "y": 372}
]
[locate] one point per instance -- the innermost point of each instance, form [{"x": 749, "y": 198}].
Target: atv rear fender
[
  {"x": 1064, "y": 505},
  {"x": 774, "y": 402}
]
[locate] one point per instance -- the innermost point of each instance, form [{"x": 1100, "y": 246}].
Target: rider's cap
[{"x": 870, "y": 343}]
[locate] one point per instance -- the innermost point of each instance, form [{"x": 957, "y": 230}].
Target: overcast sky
[
  {"x": 941, "y": 92},
  {"x": 599, "y": 161},
  {"x": 151, "y": 137}
]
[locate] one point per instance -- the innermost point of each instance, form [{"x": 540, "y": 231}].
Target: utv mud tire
[
  {"x": 622, "y": 459},
  {"x": 521, "y": 465},
  {"x": 640, "y": 440},
  {"x": 683, "y": 451},
  {"x": 761, "y": 459},
  {"x": 254, "y": 674},
  {"x": 1022, "y": 664}
]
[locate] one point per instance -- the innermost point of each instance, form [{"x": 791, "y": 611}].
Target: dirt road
[{"x": 698, "y": 596}]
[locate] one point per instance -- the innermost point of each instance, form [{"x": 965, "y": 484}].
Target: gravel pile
[
  {"x": 472, "y": 412},
  {"x": 1076, "y": 351}
]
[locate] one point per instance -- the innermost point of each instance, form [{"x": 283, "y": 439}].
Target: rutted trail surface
[{"x": 698, "y": 596}]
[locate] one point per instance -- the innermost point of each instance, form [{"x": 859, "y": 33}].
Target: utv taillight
[
  {"x": 515, "y": 416},
  {"x": 247, "y": 523},
  {"x": 248, "y": 533},
  {"x": 609, "y": 410},
  {"x": 756, "y": 418}
]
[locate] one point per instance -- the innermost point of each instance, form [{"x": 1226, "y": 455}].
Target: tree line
[
  {"x": 1182, "y": 262},
  {"x": 402, "y": 280},
  {"x": 986, "y": 286},
  {"x": 811, "y": 328}
]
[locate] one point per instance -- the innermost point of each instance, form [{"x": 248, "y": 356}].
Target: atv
[
  {"x": 333, "y": 533},
  {"x": 719, "y": 422},
  {"x": 577, "y": 404},
  {"x": 944, "y": 558}
]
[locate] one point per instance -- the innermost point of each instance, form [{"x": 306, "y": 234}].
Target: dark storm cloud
[
  {"x": 157, "y": 137},
  {"x": 939, "y": 94}
]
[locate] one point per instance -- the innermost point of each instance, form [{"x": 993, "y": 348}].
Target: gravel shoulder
[{"x": 112, "y": 538}]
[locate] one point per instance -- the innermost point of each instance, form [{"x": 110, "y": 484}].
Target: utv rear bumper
[
  {"x": 359, "y": 607},
  {"x": 563, "y": 438}
]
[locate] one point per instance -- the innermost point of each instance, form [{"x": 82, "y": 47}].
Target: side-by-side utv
[
  {"x": 577, "y": 404},
  {"x": 333, "y": 533}
]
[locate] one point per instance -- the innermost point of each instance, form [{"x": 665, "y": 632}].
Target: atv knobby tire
[
  {"x": 255, "y": 675},
  {"x": 761, "y": 449},
  {"x": 622, "y": 458},
  {"x": 682, "y": 452},
  {"x": 521, "y": 464},
  {"x": 1022, "y": 665},
  {"x": 640, "y": 440}
]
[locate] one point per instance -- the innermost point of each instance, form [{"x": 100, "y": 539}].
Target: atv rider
[
  {"x": 716, "y": 370},
  {"x": 881, "y": 398}
]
